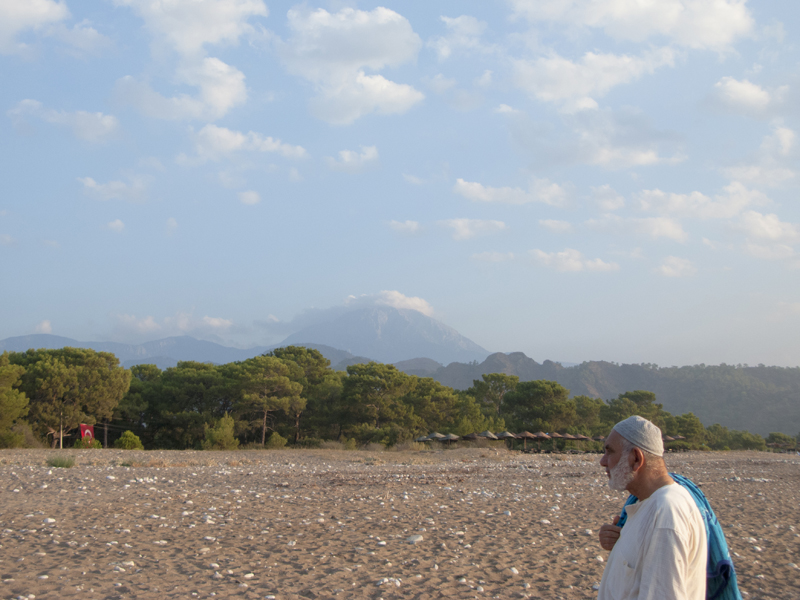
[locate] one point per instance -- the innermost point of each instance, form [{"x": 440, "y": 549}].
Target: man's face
[{"x": 618, "y": 468}]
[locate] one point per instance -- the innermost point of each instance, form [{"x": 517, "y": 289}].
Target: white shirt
[{"x": 661, "y": 552}]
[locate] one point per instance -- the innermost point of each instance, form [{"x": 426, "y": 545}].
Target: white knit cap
[{"x": 641, "y": 433}]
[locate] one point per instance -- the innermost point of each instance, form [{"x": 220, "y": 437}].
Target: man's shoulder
[{"x": 676, "y": 508}]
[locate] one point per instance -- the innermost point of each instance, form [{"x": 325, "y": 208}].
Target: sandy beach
[{"x": 324, "y": 524}]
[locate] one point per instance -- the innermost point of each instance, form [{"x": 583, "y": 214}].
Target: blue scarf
[{"x": 720, "y": 575}]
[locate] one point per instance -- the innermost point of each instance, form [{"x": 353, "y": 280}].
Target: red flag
[{"x": 87, "y": 431}]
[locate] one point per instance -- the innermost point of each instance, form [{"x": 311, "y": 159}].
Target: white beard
[{"x": 621, "y": 475}]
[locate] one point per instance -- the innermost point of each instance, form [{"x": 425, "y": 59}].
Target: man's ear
[{"x": 638, "y": 459}]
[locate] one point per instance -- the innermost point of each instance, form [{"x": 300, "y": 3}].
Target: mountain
[
  {"x": 390, "y": 335},
  {"x": 757, "y": 399},
  {"x": 163, "y": 353}
]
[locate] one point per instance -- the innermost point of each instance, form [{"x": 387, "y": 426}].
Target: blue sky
[{"x": 573, "y": 179}]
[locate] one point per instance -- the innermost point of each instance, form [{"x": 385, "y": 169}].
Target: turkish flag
[{"x": 87, "y": 431}]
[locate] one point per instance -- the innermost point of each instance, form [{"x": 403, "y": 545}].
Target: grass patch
[{"x": 61, "y": 462}]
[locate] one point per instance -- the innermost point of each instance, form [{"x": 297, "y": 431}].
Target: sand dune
[{"x": 317, "y": 524}]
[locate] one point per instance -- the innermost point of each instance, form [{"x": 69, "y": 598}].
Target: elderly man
[{"x": 661, "y": 552}]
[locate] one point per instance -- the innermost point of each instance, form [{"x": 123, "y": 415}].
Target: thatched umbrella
[
  {"x": 470, "y": 437},
  {"x": 488, "y": 435},
  {"x": 422, "y": 438},
  {"x": 541, "y": 436},
  {"x": 667, "y": 438},
  {"x": 554, "y": 436},
  {"x": 525, "y": 436},
  {"x": 450, "y": 438},
  {"x": 506, "y": 435}
]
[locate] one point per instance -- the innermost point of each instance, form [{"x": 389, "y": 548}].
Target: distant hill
[
  {"x": 421, "y": 367},
  {"x": 757, "y": 399},
  {"x": 163, "y": 353},
  {"x": 390, "y": 335}
]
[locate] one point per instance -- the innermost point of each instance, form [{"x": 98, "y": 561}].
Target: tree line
[{"x": 292, "y": 394}]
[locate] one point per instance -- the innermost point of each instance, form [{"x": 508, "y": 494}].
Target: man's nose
[{"x": 603, "y": 461}]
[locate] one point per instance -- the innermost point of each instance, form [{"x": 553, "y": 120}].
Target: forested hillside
[
  {"x": 759, "y": 399},
  {"x": 292, "y": 395}
]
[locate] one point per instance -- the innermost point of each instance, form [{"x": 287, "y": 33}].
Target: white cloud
[
  {"x": 92, "y": 127},
  {"x": 769, "y": 251},
  {"x": 505, "y": 109},
  {"x": 413, "y": 179},
  {"x": 116, "y": 225},
  {"x": 697, "y": 205},
  {"x": 772, "y": 164},
  {"x": 6, "y": 240},
  {"x": 465, "y": 229},
  {"x": 485, "y": 80},
  {"x": 391, "y": 298},
  {"x": 653, "y": 227},
  {"x": 705, "y": 24},
  {"x": 747, "y": 98},
  {"x": 539, "y": 190},
  {"x": 607, "y": 198},
  {"x": 609, "y": 139},
  {"x": 249, "y": 197},
  {"x": 440, "y": 84},
  {"x": 405, "y": 227},
  {"x": 44, "y": 327},
  {"x": 463, "y": 33},
  {"x": 558, "y": 79},
  {"x": 116, "y": 190},
  {"x": 672, "y": 266},
  {"x": 186, "y": 26},
  {"x": 556, "y": 226},
  {"x": 221, "y": 88},
  {"x": 768, "y": 227},
  {"x": 334, "y": 50},
  {"x": 217, "y": 322},
  {"x": 493, "y": 257},
  {"x": 213, "y": 143},
  {"x": 351, "y": 161},
  {"x": 571, "y": 260},
  {"x": 182, "y": 323},
  {"x": 18, "y": 16}
]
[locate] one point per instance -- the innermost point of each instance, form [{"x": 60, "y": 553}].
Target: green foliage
[
  {"x": 13, "y": 403},
  {"x": 220, "y": 437},
  {"x": 129, "y": 441},
  {"x": 87, "y": 443},
  {"x": 70, "y": 385},
  {"x": 292, "y": 394},
  {"x": 61, "y": 462},
  {"x": 781, "y": 440},
  {"x": 535, "y": 405},
  {"x": 276, "y": 441}
]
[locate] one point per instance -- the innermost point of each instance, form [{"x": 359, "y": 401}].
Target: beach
[{"x": 291, "y": 524}]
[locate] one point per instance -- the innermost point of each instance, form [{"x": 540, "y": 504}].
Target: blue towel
[{"x": 720, "y": 575}]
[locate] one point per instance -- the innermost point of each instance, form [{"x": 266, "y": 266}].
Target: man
[{"x": 661, "y": 553}]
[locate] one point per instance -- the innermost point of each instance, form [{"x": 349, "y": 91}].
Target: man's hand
[{"x": 609, "y": 534}]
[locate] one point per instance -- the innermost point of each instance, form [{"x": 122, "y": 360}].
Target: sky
[{"x": 573, "y": 179}]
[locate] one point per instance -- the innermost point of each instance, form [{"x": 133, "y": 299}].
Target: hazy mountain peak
[{"x": 390, "y": 335}]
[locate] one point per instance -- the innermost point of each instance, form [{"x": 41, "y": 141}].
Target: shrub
[
  {"x": 373, "y": 447},
  {"x": 275, "y": 441},
  {"x": 309, "y": 442},
  {"x": 220, "y": 437},
  {"x": 61, "y": 462},
  {"x": 129, "y": 441},
  {"x": 87, "y": 443}
]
